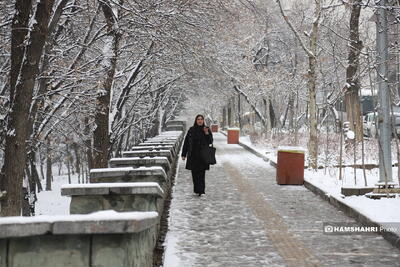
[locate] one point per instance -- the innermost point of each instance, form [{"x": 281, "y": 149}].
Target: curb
[{"x": 391, "y": 237}]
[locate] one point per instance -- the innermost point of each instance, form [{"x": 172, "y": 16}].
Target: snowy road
[{"x": 246, "y": 219}]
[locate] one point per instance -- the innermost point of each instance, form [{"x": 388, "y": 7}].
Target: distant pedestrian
[{"x": 197, "y": 137}]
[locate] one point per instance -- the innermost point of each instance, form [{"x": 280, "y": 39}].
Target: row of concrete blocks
[{"x": 114, "y": 220}]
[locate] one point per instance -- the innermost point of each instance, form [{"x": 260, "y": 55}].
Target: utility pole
[{"x": 384, "y": 118}]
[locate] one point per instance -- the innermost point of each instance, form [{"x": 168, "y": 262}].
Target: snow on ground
[
  {"x": 379, "y": 210},
  {"x": 103, "y": 215},
  {"x": 51, "y": 202},
  {"x": 170, "y": 255}
]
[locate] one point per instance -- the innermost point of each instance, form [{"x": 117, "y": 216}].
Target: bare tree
[
  {"x": 15, "y": 146},
  {"x": 311, "y": 52},
  {"x": 352, "y": 88}
]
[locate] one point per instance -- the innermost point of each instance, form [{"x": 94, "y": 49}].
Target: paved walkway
[{"x": 246, "y": 219}]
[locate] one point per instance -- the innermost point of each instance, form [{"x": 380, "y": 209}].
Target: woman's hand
[{"x": 205, "y": 129}]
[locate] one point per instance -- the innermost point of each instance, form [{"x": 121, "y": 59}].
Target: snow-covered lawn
[
  {"x": 382, "y": 210},
  {"x": 51, "y": 202}
]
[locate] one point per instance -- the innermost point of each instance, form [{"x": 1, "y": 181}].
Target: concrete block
[
  {"x": 159, "y": 143},
  {"x": 84, "y": 191},
  {"x": 152, "y": 148},
  {"x": 85, "y": 204},
  {"x": 121, "y": 199},
  {"x": 146, "y": 153},
  {"x": 176, "y": 123},
  {"x": 172, "y": 137},
  {"x": 73, "y": 240},
  {"x": 112, "y": 189},
  {"x": 137, "y": 162},
  {"x": 117, "y": 225},
  {"x": 134, "y": 250},
  {"x": 151, "y": 189},
  {"x": 156, "y": 148},
  {"x": 49, "y": 250},
  {"x": 11, "y": 227},
  {"x": 3, "y": 252},
  {"x": 118, "y": 175},
  {"x": 178, "y": 135},
  {"x": 110, "y": 250},
  {"x": 175, "y": 128}
]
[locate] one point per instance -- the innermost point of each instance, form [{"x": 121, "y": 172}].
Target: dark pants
[{"x": 199, "y": 183}]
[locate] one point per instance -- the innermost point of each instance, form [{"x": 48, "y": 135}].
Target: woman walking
[{"x": 197, "y": 137}]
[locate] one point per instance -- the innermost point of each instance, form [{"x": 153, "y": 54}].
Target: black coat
[{"x": 196, "y": 139}]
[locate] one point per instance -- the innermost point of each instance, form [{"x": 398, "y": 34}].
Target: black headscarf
[{"x": 195, "y": 121}]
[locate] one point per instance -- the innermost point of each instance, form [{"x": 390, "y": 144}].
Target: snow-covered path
[{"x": 246, "y": 219}]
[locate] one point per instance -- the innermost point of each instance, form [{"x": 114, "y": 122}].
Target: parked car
[
  {"x": 369, "y": 125},
  {"x": 371, "y": 129}
]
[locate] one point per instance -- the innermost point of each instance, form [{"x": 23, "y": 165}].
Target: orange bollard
[
  {"x": 290, "y": 166},
  {"x": 233, "y": 135}
]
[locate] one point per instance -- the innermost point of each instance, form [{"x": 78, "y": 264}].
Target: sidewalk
[{"x": 246, "y": 219}]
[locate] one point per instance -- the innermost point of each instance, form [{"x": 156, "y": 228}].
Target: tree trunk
[
  {"x": 229, "y": 114},
  {"x": 291, "y": 110},
  {"x": 17, "y": 127},
  {"x": 41, "y": 165},
  {"x": 25, "y": 192},
  {"x": 101, "y": 137},
  {"x": 352, "y": 88},
  {"x": 75, "y": 147},
  {"x": 312, "y": 80},
  {"x": 42, "y": 83},
  {"x": 285, "y": 115},
  {"x": 25, "y": 202},
  {"x": 273, "y": 118},
  {"x": 223, "y": 117},
  {"x": 268, "y": 125},
  {"x": 68, "y": 163},
  {"x": 88, "y": 143},
  {"x": 253, "y": 107},
  {"x": 127, "y": 139},
  {"x": 49, "y": 173},
  {"x": 30, "y": 198},
  {"x": 59, "y": 167},
  {"x": 239, "y": 112},
  {"x": 34, "y": 173},
  {"x": 292, "y": 93},
  {"x": 19, "y": 31},
  {"x": 312, "y": 112}
]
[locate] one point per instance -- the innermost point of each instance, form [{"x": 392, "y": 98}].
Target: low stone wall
[
  {"x": 103, "y": 239},
  {"x": 172, "y": 125},
  {"x": 161, "y": 143},
  {"x": 88, "y": 198},
  {"x": 148, "y": 153},
  {"x": 155, "y": 148},
  {"x": 128, "y": 174},
  {"x": 166, "y": 138},
  {"x": 175, "y": 128},
  {"x": 137, "y": 162}
]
